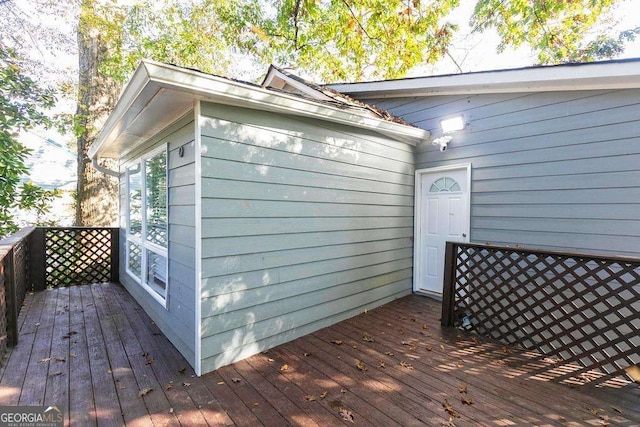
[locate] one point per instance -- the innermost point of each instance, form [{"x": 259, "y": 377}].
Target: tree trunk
[{"x": 97, "y": 193}]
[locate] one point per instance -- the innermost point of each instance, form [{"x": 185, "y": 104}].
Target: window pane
[
  {"x": 157, "y": 272},
  {"x": 156, "y": 212},
  {"x": 134, "y": 259},
  {"x": 135, "y": 201}
]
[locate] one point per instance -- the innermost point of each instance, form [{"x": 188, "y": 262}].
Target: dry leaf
[
  {"x": 45, "y": 360},
  {"x": 367, "y": 338},
  {"x": 403, "y": 317},
  {"x": 181, "y": 370},
  {"x": 413, "y": 348},
  {"x": 346, "y": 415},
  {"x": 145, "y": 391},
  {"x": 343, "y": 391},
  {"x": 256, "y": 404},
  {"x": 55, "y": 374},
  {"x": 634, "y": 373},
  {"x": 284, "y": 367},
  {"x": 270, "y": 360},
  {"x": 424, "y": 326},
  {"x": 405, "y": 343},
  {"x": 459, "y": 364},
  {"x": 466, "y": 400},
  {"x": 382, "y": 365},
  {"x": 72, "y": 355},
  {"x": 389, "y": 353},
  {"x": 462, "y": 388},
  {"x": 505, "y": 349},
  {"x": 429, "y": 348},
  {"x": 221, "y": 383},
  {"x": 354, "y": 347},
  {"x": 149, "y": 361},
  {"x": 361, "y": 366},
  {"x": 447, "y": 407},
  {"x": 60, "y": 359},
  {"x": 616, "y": 409},
  {"x": 474, "y": 339},
  {"x": 323, "y": 394},
  {"x": 593, "y": 411},
  {"x": 406, "y": 365},
  {"x": 336, "y": 342},
  {"x": 235, "y": 380},
  {"x": 168, "y": 385},
  {"x": 401, "y": 332},
  {"x": 171, "y": 410},
  {"x": 306, "y": 354},
  {"x": 310, "y": 397},
  {"x": 441, "y": 347}
]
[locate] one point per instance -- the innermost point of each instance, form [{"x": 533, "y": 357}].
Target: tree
[
  {"x": 558, "y": 31},
  {"x": 21, "y": 105}
]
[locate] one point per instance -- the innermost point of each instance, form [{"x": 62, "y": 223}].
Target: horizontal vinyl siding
[
  {"x": 177, "y": 321},
  {"x": 303, "y": 225},
  {"x": 549, "y": 169}
]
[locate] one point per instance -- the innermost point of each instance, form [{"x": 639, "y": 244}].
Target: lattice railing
[
  {"x": 582, "y": 309},
  {"x": 76, "y": 256}
]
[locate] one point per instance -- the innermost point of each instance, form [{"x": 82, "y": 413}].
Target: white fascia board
[
  {"x": 279, "y": 80},
  {"x": 592, "y": 76},
  {"x": 151, "y": 79}
]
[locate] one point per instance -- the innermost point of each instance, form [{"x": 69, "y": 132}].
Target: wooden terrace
[{"x": 93, "y": 352}]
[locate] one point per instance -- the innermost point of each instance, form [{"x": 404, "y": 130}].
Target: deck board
[{"x": 109, "y": 350}]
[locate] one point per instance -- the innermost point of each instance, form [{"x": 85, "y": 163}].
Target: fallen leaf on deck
[
  {"x": 235, "y": 380},
  {"x": 306, "y": 354},
  {"x": 270, "y": 360},
  {"x": 45, "y": 360},
  {"x": 256, "y": 404},
  {"x": 505, "y": 349},
  {"x": 367, "y": 338},
  {"x": 403, "y": 317},
  {"x": 406, "y": 365},
  {"x": 462, "y": 388},
  {"x": 181, "y": 370},
  {"x": 156, "y": 333},
  {"x": 323, "y": 394},
  {"x": 474, "y": 339},
  {"x": 382, "y": 365},
  {"x": 145, "y": 391},
  {"x": 168, "y": 385},
  {"x": 145, "y": 354},
  {"x": 336, "y": 342},
  {"x": 429, "y": 348},
  {"x": 72, "y": 355},
  {"x": 361, "y": 366},
  {"x": 424, "y": 326},
  {"x": 441, "y": 347},
  {"x": 186, "y": 384},
  {"x": 60, "y": 359},
  {"x": 401, "y": 332},
  {"x": 284, "y": 367},
  {"x": 220, "y": 383},
  {"x": 149, "y": 361},
  {"x": 343, "y": 390},
  {"x": 413, "y": 348},
  {"x": 466, "y": 400},
  {"x": 171, "y": 410},
  {"x": 389, "y": 353},
  {"x": 55, "y": 374},
  {"x": 346, "y": 415},
  {"x": 310, "y": 397},
  {"x": 594, "y": 411},
  {"x": 459, "y": 364},
  {"x": 634, "y": 373},
  {"x": 405, "y": 343},
  {"x": 616, "y": 409},
  {"x": 354, "y": 347},
  {"x": 413, "y": 320},
  {"x": 449, "y": 409}
]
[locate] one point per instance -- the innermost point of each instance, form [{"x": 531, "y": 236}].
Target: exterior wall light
[{"x": 452, "y": 124}]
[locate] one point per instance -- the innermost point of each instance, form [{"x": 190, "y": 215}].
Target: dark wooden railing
[
  {"x": 35, "y": 259},
  {"x": 579, "y": 308}
]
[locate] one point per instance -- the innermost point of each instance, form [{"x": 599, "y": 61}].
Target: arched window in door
[{"x": 444, "y": 185}]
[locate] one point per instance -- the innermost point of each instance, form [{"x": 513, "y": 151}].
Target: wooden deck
[{"x": 94, "y": 353}]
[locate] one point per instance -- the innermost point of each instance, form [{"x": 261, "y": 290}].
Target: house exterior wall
[
  {"x": 304, "y": 224},
  {"x": 177, "y": 321},
  {"x": 549, "y": 169}
]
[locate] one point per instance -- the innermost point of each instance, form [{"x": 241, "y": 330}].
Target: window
[
  {"x": 147, "y": 223},
  {"x": 444, "y": 185}
]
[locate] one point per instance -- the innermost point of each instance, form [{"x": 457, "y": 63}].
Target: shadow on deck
[{"x": 94, "y": 353}]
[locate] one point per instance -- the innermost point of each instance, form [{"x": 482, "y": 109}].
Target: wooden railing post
[
  {"x": 449, "y": 285},
  {"x": 115, "y": 255},
  {"x": 11, "y": 299},
  {"x": 37, "y": 260}
]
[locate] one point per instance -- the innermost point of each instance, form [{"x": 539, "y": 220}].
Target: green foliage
[
  {"x": 558, "y": 31},
  {"x": 21, "y": 104}
]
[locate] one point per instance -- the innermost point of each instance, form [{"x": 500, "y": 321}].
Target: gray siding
[
  {"x": 303, "y": 224},
  {"x": 549, "y": 169},
  {"x": 177, "y": 321}
]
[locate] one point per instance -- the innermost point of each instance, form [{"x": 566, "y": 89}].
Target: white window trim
[{"x": 142, "y": 241}]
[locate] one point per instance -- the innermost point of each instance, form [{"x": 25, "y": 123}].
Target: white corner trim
[{"x": 198, "y": 234}]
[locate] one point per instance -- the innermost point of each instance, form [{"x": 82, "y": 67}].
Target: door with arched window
[{"x": 442, "y": 214}]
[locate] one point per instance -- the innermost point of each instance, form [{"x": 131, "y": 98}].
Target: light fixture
[{"x": 452, "y": 124}]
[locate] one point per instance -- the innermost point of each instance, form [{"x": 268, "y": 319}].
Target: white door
[{"x": 442, "y": 214}]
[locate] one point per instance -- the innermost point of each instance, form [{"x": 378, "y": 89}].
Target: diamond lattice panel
[
  {"x": 582, "y": 310},
  {"x": 77, "y": 256}
]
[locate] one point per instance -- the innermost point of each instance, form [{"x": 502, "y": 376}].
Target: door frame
[{"x": 417, "y": 213}]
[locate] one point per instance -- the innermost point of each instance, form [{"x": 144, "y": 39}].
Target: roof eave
[{"x": 151, "y": 78}]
